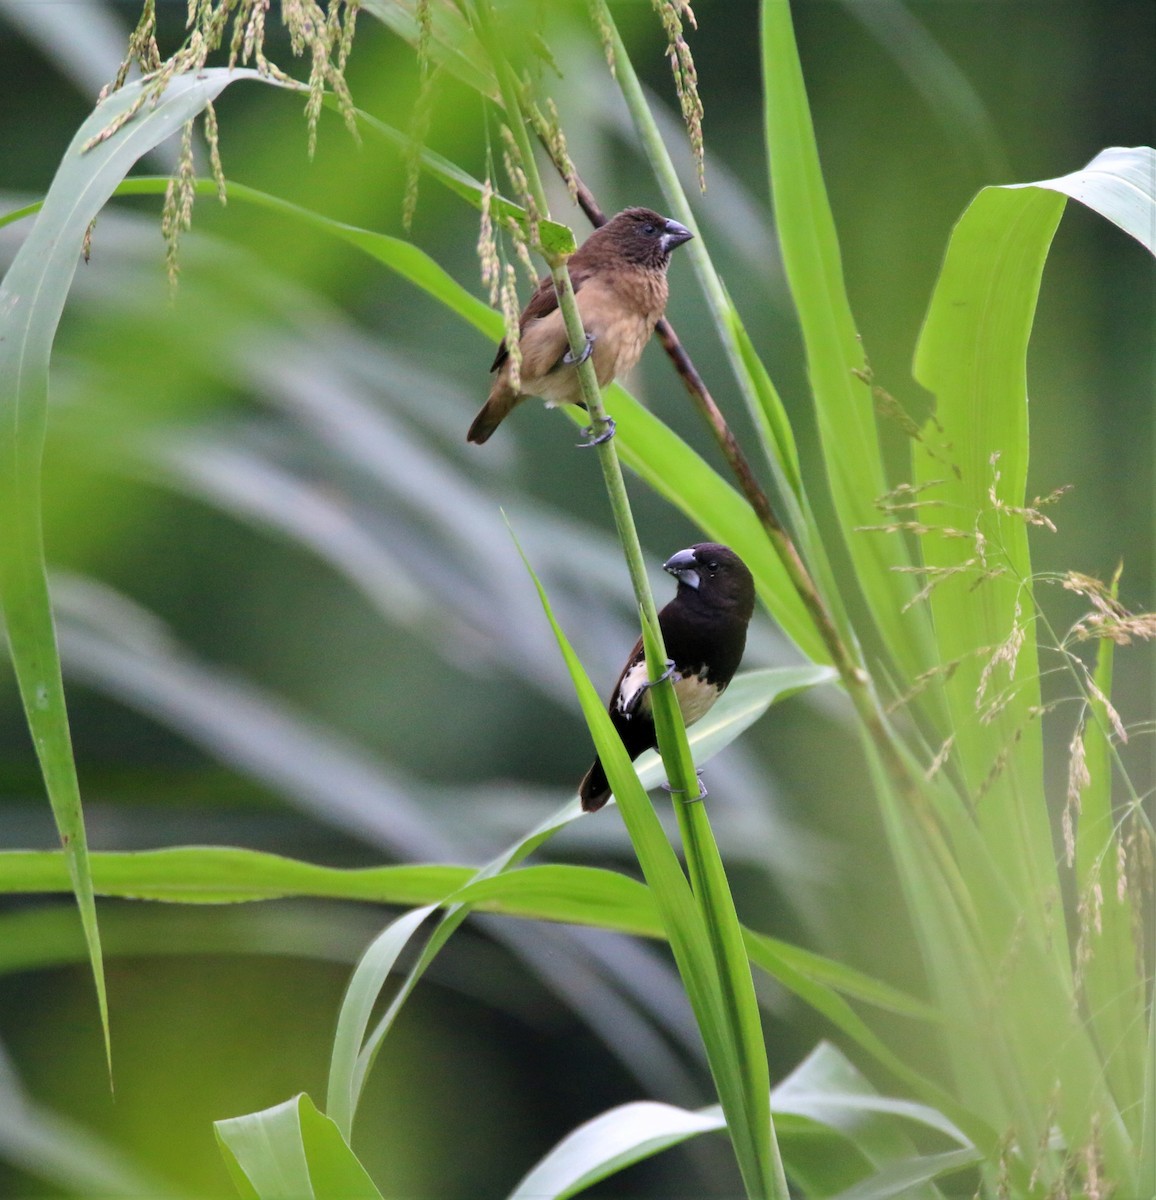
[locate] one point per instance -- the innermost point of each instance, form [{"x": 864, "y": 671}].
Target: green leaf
[
  {"x": 972, "y": 355},
  {"x": 32, "y": 298},
  {"x": 712, "y": 891},
  {"x": 843, "y": 401},
  {"x": 555, "y": 238},
  {"x": 612, "y": 1141},
  {"x": 824, "y": 1093},
  {"x": 1113, "y": 986},
  {"x": 227, "y": 875},
  {"x": 452, "y": 43},
  {"x": 1119, "y": 184},
  {"x": 345, "y": 1078},
  {"x": 292, "y": 1152},
  {"x": 902, "y": 1179},
  {"x": 828, "y": 1089}
]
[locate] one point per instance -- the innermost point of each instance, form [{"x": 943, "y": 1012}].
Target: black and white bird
[{"x": 704, "y": 629}]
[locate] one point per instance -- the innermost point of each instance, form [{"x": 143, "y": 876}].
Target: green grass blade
[
  {"x": 1119, "y": 184},
  {"x": 32, "y": 298},
  {"x": 610, "y": 1142},
  {"x": 1107, "y": 956},
  {"x": 292, "y": 1152},
  {"x": 843, "y": 402},
  {"x": 356, "y": 1010},
  {"x": 452, "y": 43},
  {"x": 903, "y": 1179},
  {"x": 712, "y": 891},
  {"x": 227, "y": 875},
  {"x": 265, "y": 1154}
]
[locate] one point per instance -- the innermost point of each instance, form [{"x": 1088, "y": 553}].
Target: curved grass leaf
[
  {"x": 210, "y": 875},
  {"x": 903, "y": 1178},
  {"x": 1119, "y": 184},
  {"x": 32, "y": 298},
  {"x": 972, "y": 355},
  {"x": 824, "y": 1093},
  {"x": 357, "y": 1009},
  {"x": 611, "y": 1142},
  {"x": 291, "y": 1152}
]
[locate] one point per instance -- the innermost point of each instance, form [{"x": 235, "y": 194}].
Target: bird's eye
[
  {"x": 649, "y": 228},
  {"x": 712, "y": 566}
]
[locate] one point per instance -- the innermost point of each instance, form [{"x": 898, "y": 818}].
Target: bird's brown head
[
  {"x": 715, "y": 577},
  {"x": 640, "y": 236}
]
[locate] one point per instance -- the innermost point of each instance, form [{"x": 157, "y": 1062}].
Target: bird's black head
[
  {"x": 715, "y": 576},
  {"x": 643, "y": 236}
]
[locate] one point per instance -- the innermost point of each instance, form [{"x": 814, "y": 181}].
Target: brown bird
[
  {"x": 704, "y": 629},
  {"x": 619, "y": 277}
]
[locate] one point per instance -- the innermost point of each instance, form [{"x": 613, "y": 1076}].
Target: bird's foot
[
  {"x": 636, "y": 699},
  {"x": 604, "y": 436},
  {"x": 702, "y": 792},
  {"x": 569, "y": 359}
]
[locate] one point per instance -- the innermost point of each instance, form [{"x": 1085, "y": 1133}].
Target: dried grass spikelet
[
  {"x": 599, "y": 18},
  {"x": 511, "y": 311},
  {"x": 942, "y": 672},
  {"x": 548, "y": 126},
  {"x": 941, "y": 756},
  {"x": 422, "y": 113},
  {"x": 488, "y": 245},
  {"x": 325, "y": 34},
  {"x": 906, "y": 496},
  {"x": 213, "y": 139},
  {"x": 1108, "y": 618},
  {"x": 1005, "y": 654},
  {"x": 918, "y": 527},
  {"x": 177, "y": 212},
  {"x": 1078, "y": 780},
  {"x": 671, "y": 13},
  {"x": 142, "y": 50}
]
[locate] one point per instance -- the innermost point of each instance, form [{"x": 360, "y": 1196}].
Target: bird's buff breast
[{"x": 620, "y": 316}]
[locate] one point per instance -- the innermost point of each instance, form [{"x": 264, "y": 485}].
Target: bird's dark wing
[
  {"x": 634, "y": 725},
  {"x": 543, "y": 302}
]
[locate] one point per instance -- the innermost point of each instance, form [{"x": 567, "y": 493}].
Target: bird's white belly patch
[
  {"x": 632, "y": 695},
  {"x": 695, "y": 696}
]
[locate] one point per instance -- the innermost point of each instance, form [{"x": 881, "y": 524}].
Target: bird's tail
[
  {"x": 594, "y": 790},
  {"x": 493, "y": 413}
]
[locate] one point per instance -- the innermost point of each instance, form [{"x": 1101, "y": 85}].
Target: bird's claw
[
  {"x": 702, "y": 792},
  {"x": 569, "y": 359},
  {"x": 604, "y": 436}
]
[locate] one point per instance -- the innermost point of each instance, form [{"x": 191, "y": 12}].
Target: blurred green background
[{"x": 292, "y": 617}]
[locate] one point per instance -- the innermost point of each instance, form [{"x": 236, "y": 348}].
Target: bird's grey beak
[
  {"x": 683, "y": 567},
  {"x": 675, "y": 235}
]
